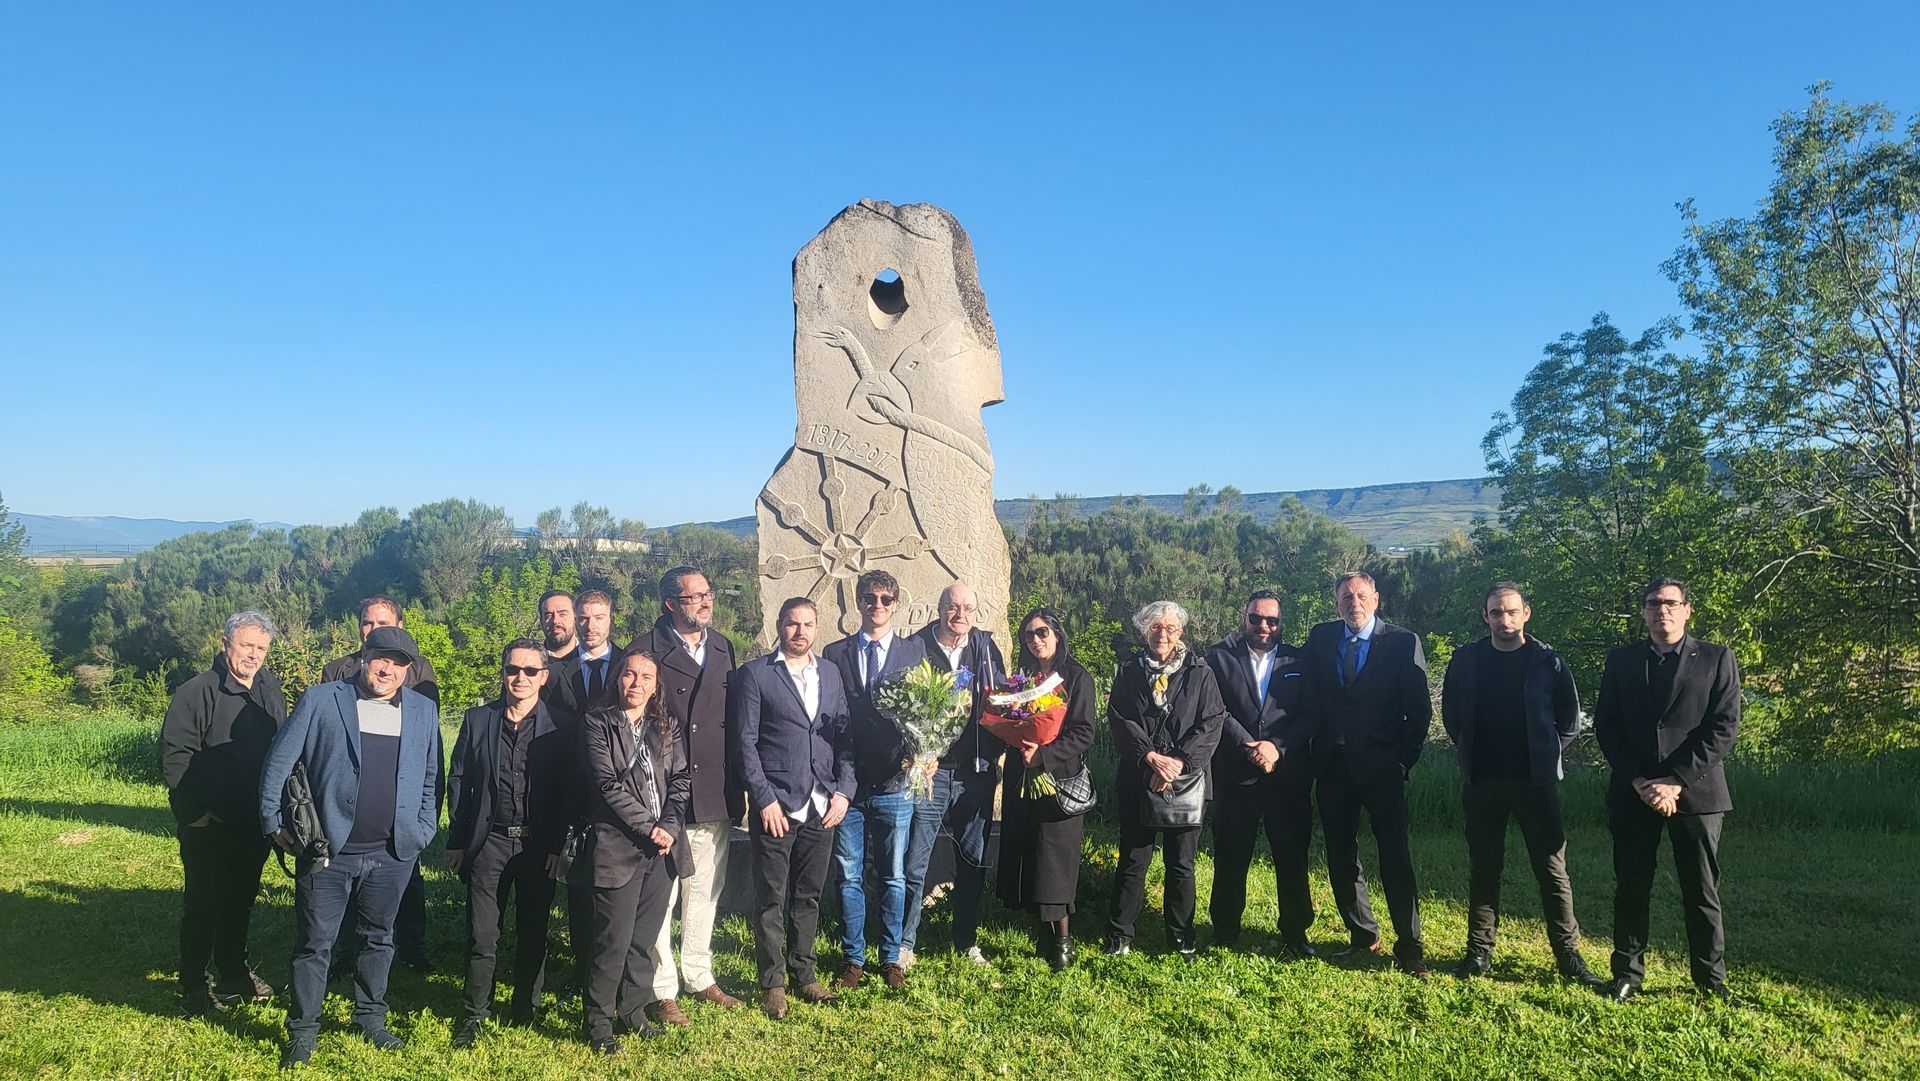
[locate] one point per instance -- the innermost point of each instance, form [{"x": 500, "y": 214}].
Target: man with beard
[
  {"x": 372, "y": 754},
  {"x": 694, "y": 661},
  {"x": 215, "y": 734},
  {"x": 579, "y": 649}
]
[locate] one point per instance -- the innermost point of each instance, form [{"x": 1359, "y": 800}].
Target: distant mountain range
[{"x": 1391, "y": 516}]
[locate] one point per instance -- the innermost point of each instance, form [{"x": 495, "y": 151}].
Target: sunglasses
[
  {"x": 1264, "y": 621},
  {"x": 880, "y": 599},
  {"x": 1039, "y": 632},
  {"x": 529, "y": 671}
]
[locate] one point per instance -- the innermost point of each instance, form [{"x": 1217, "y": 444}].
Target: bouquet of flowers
[
  {"x": 1026, "y": 709},
  {"x": 929, "y": 708}
]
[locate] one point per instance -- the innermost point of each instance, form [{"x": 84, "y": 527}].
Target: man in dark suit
[
  {"x": 372, "y": 754},
  {"x": 584, "y": 663},
  {"x": 695, "y": 661},
  {"x": 1262, "y": 773},
  {"x": 410, "y": 925},
  {"x": 212, "y": 741},
  {"x": 1510, "y": 706},
  {"x": 1668, "y": 714},
  {"x": 787, "y": 718},
  {"x": 510, "y": 793},
  {"x": 881, "y": 816},
  {"x": 1371, "y": 679},
  {"x": 961, "y": 803}
]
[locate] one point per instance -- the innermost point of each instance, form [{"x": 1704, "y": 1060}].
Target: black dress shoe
[
  {"x": 1717, "y": 991},
  {"x": 296, "y": 1054},
  {"x": 248, "y": 988},
  {"x": 1117, "y": 946},
  {"x": 469, "y": 1033},
  {"x": 1359, "y": 950},
  {"x": 200, "y": 1004},
  {"x": 421, "y": 964},
  {"x": 606, "y": 1045},
  {"x": 382, "y": 1038},
  {"x": 1298, "y": 949},
  {"x": 1620, "y": 989},
  {"x": 1061, "y": 959},
  {"x": 1475, "y": 963},
  {"x": 1224, "y": 940},
  {"x": 1574, "y": 968},
  {"x": 1412, "y": 966}
]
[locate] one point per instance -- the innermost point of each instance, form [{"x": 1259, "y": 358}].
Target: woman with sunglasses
[
  {"x": 637, "y": 788},
  {"x": 1039, "y": 842}
]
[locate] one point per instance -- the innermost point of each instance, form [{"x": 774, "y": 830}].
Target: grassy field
[{"x": 1822, "y": 884}]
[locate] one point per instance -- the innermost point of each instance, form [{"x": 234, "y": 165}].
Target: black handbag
[
  {"x": 300, "y": 820},
  {"x": 1181, "y": 805},
  {"x": 1074, "y": 795}
]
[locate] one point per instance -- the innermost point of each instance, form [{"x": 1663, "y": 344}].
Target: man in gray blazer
[
  {"x": 372, "y": 753},
  {"x": 787, "y": 718}
]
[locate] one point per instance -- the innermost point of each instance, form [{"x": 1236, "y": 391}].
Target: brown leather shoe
[
  {"x": 773, "y": 1002},
  {"x": 850, "y": 976},
  {"x": 895, "y": 976},
  {"x": 711, "y": 993},
  {"x": 815, "y": 992},
  {"x": 667, "y": 1011}
]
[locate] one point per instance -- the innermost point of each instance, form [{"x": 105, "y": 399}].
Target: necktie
[
  {"x": 1350, "y": 661},
  {"x": 597, "y": 681},
  {"x": 873, "y": 664}
]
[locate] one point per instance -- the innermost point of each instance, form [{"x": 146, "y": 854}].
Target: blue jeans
[
  {"x": 886, "y": 820},
  {"x": 320, "y": 901},
  {"x": 959, "y": 806}
]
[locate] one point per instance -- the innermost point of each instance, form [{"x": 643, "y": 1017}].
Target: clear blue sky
[{"x": 287, "y": 262}]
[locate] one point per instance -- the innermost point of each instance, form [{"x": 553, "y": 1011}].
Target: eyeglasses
[
  {"x": 1264, "y": 621},
  {"x": 1038, "y": 632},
  {"x": 694, "y": 598},
  {"x": 963, "y": 609},
  {"x": 1165, "y": 628},
  {"x": 1656, "y": 603},
  {"x": 529, "y": 671},
  {"x": 870, "y": 600}
]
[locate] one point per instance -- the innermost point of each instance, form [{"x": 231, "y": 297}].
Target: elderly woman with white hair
[{"x": 1165, "y": 715}]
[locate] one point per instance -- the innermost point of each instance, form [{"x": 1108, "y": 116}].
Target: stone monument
[{"x": 894, "y": 356}]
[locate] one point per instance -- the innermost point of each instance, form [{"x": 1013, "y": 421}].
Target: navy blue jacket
[
  {"x": 781, "y": 752},
  {"x": 876, "y": 744},
  {"x": 1384, "y": 716},
  {"x": 1284, "y": 717},
  {"x": 324, "y": 732}
]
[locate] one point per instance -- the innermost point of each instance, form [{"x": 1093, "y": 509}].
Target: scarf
[{"x": 1159, "y": 675}]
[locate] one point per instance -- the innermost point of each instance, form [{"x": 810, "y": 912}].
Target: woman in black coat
[
  {"x": 1165, "y": 715},
  {"x": 637, "y": 789},
  {"x": 1040, "y": 846}
]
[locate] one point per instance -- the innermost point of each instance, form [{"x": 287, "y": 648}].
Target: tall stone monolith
[{"x": 894, "y": 356}]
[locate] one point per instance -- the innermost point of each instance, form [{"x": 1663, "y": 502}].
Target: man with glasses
[
  {"x": 1262, "y": 773},
  {"x": 961, "y": 803},
  {"x": 1668, "y": 713},
  {"x": 508, "y": 794},
  {"x": 881, "y": 816},
  {"x": 694, "y": 662}
]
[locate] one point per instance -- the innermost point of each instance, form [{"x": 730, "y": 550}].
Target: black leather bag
[
  {"x": 1181, "y": 805},
  {"x": 300, "y": 820},
  {"x": 1074, "y": 795}
]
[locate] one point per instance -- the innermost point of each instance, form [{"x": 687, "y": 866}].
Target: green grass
[{"x": 1821, "y": 875}]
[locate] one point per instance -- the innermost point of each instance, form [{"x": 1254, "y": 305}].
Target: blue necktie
[
  {"x": 873, "y": 663},
  {"x": 1350, "y": 661}
]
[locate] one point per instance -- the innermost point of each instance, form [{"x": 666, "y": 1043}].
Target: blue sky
[{"x": 290, "y": 261}]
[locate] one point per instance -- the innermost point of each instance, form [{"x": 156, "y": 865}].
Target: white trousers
[{"x": 697, "y": 895}]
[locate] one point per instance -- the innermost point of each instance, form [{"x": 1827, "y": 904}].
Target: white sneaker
[
  {"x": 906, "y": 958},
  {"x": 974, "y": 955}
]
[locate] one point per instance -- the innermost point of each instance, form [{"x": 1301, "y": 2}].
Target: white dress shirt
[{"x": 806, "y": 680}]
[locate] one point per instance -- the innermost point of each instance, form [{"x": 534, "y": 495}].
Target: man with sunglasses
[
  {"x": 507, "y": 794},
  {"x": 1668, "y": 713},
  {"x": 880, "y": 819},
  {"x": 694, "y": 662},
  {"x": 1262, "y": 774}
]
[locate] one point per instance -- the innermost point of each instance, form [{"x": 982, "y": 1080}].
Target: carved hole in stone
[{"x": 887, "y": 299}]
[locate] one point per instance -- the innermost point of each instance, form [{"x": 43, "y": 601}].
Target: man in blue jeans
[
  {"x": 962, "y": 798},
  {"x": 371, "y": 749},
  {"x": 881, "y": 816}
]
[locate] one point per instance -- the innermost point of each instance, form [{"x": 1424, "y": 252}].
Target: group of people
[{"x": 620, "y": 774}]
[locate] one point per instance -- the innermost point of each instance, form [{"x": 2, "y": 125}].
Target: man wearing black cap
[{"x": 371, "y": 749}]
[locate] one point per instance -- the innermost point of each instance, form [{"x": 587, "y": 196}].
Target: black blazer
[
  {"x": 1384, "y": 715},
  {"x": 1551, "y": 704},
  {"x": 1188, "y": 729},
  {"x": 1285, "y": 716},
  {"x": 875, "y": 742},
  {"x": 551, "y": 778},
  {"x": 697, "y": 702},
  {"x": 1686, "y": 737},
  {"x": 975, "y": 749},
  {"x": 619, "y": 831},
  {"x": 782, "y": 753},
  {"x": 566, "y": 687}
]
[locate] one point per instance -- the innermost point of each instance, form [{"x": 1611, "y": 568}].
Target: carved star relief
[{"x": 840, "y": 554}]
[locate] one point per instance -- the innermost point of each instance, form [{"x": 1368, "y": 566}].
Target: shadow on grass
[{"x": 157, "y": 821}]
